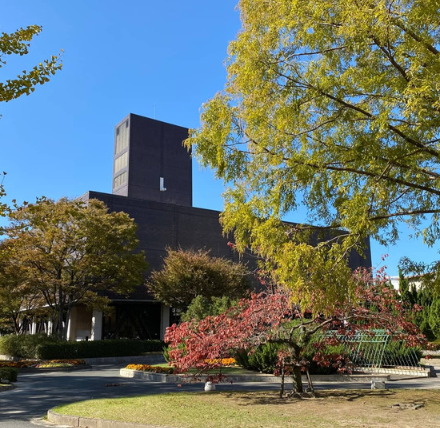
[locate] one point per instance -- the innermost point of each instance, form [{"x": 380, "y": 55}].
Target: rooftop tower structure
[{"x": 150, "y": 161}]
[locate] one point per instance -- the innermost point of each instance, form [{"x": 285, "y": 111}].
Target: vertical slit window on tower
[
  {"x": 121, "y": 161},
  {"x": 122, "y": 133},
  {"x": 120, "y": 180}
]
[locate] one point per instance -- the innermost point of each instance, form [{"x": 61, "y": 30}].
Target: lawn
[{"x": 349, "y": 408}]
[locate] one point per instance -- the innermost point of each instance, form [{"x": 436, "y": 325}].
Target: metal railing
[{"x": 374, "y": 351}]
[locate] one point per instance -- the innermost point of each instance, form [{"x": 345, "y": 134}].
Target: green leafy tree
[
  {"x": 17, "y": 298},
  {"x": 333, "y": 106},
  {"x": 408, "y": 292},
  {"x": 3, "y": 206},
  {"x": 188, "y": 274},
  {"x": 202, "y": 306},
  {"x": 17, "y": 43},
  {"x": 71, "y": 253},
  {"x": 434, "y": 317},
  {"x": 423, "y": 296}
]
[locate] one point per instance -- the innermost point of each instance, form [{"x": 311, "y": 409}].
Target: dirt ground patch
[{"x": 335, "y": 408}]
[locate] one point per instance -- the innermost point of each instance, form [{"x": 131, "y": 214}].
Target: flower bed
[
  {"x": 42, "y": 364},
  {"x": 226, "y": 362},
  {"x": 152, "y": 369}
]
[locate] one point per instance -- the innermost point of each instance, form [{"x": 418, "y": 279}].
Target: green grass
[{"x": 352, "y": 408}]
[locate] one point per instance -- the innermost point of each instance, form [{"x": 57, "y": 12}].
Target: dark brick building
[{"x": 152, "y": 182}]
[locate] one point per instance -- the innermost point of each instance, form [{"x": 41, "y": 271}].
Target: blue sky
[{"x": 157, "y": 59}]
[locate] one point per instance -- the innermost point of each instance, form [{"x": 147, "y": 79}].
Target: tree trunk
[
  {"x": 282, "y": 379},
  {"x": 17, "y": 326},
  {"x": 61, "y": 328},
  {"x": 295, "y": 352},
  {"x": 309, "y": 381},
  {"x": 297, "y": 379}
]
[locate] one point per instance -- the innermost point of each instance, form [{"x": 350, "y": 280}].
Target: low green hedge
[
  {"x": 49, "y": 348},
  {"x": 98, "y": 349},
  {"x": 264, "y": 358},
  {"x": 8, "y": 373},
  {"x": 25, "y": 345}
]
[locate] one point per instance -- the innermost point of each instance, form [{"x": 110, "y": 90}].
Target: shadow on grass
[{"x": 272, "y": 397}]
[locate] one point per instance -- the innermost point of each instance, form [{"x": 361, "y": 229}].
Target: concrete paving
[{"x": 35, "y": 393}]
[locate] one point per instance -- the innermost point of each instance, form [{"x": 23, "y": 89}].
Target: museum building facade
[{"x": 152, "y": 183}]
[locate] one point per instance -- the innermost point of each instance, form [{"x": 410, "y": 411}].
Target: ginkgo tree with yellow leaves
[
  {"x": 2, "y": 193},
  {"x": 17, "y": 43},
  {"x": 333, "y": 106}
]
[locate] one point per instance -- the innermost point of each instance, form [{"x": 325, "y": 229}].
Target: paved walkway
[{"x": 35, "y": 393}]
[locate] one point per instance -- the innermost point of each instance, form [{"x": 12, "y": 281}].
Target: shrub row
[
  {"x": 265, "y": 357},
  {"x": 26, "y": 345},
  {"x": 99, "y": 348},
  {"x": 8, "y": 373},
  {"x": 49, "y": 348},
  {"x": 262, "y": 359}
]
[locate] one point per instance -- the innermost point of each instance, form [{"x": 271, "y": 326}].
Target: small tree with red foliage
[{"x": 272, "y": 318}]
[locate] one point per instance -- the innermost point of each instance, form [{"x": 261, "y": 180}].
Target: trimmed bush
[
  {"x": 262, "y": 359},
  {"x": 330, "y": 352},
  {"x": 8, "y": 373},
  {"x": 434, "y": 346},
  {"x": 98, "y": 349},
  {"x": 43, "y": 347},
  {"x": 399, "y": 353},
  {"x": 25, "y": 345},
  {"x": 265, "y": 357}
]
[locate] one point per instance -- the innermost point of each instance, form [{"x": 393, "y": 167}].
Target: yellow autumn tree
[
  {"x": 333, "y": 106},
  {"x": 17, "y": 43}
]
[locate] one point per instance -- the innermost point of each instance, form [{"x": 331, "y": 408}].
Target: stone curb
[
  {"x": 159, "y": 377},
  {"x": 77, "y": 421},
  {"x": 433, "y": 353}
]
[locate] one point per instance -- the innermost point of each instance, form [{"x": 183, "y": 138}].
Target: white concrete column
[
  {"x": 96, "y": 325},
  {"x": 71, "y": 325},
  {"x": 49, "y": 327},
  {"x": 34, "y": 326},
  {"x": 164, "y": 319}
]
